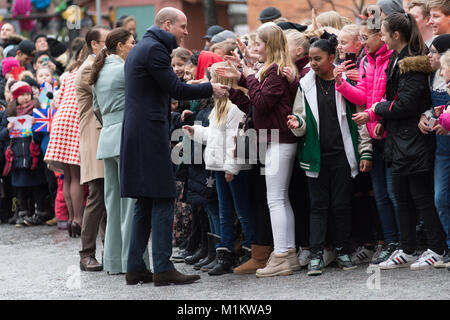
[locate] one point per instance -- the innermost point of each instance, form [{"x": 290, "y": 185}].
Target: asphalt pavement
[{"x": 42, "y": 263}]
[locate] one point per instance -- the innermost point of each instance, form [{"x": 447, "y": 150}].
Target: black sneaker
[
  {"x": 387, "y": 251},
  {"x": 181, "y": 255},
  {"x": 316, "y": 265},
  {"x": 445, "y": 261},
  {"x": 34, "y": 220},
  {"x": 447, "y": 258},
  {"x": 344, "y": 262},
  {"x": 13, "y": 219},
  {"x": 20, "y": 221}
]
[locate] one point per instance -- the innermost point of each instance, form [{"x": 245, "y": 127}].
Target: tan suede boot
[
  {"x": 278, "y": 265},
  {"x": 293, "y": 259},
  {"x": 260, "y": 255}
]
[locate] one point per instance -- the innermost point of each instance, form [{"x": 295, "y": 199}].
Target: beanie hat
[
  {"x": 292, "y": 26},
  {"x": 8, "y": 64},
  {"x": 212, "y": 31},
  {"x": 20, "y": 88},
  {"x": 441, "y": 43},
  {"x": 391, "y": 6},
  {"x": 223, "y": 35},
  {"x": 41, "y": 35},
  {"x": 56, "y": 47},
  {"x": 31, "y": 82},
  {"x": 269, "y": 13}
]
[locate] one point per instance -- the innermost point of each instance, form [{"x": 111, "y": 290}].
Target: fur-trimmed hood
[
  {"x": 415, "y": 64},
  {"x": 15, "y": 39}
]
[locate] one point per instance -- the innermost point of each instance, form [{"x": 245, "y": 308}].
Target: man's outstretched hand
[{"x": 220, "y": 90}]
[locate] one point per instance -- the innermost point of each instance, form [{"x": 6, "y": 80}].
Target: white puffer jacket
[{"x": 220, "y": 142}]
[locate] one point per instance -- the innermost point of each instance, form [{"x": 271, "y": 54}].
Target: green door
[{"x": 144, "y": 15}]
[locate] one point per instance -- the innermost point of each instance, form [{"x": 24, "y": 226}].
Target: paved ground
[{"x": 42, "y": 263}]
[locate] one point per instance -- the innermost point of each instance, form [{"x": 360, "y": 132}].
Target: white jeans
[{"x": 279, "y": 164}]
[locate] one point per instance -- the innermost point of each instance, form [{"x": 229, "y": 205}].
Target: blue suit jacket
[{"x": 145, "y": 162}]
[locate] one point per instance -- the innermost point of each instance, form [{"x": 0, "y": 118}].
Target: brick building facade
[{"x": 144, "y": 11}]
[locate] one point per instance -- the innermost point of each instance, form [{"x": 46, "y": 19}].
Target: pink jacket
[
  {"x": 444, "y": 120},
  {"x": 371, "y": 84}
]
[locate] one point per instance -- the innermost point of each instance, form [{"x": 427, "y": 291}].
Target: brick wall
[
  {"x": 192, "y": 9},
  {"x": 298, "y": 10}
]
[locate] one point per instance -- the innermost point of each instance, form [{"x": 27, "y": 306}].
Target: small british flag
[
  {"x": 43, "y": 119},
  {"x": 15, "y": 133}
]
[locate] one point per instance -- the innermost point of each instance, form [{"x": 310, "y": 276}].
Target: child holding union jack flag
[{"x": 24, "y": 159}]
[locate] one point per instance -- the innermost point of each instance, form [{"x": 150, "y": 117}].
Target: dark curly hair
[{"x": 328, "y": 43}]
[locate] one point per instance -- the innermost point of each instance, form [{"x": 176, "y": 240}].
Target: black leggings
[
  {"x": 366, "y": 227},
  {"x": 200, "y": 228},
  {"x": 298, "y": 194},
  {"x": 260, "y": 209},
  {"x": 416, "y": 190}
]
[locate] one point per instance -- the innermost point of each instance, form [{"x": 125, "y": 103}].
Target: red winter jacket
[{"x": 272, "y": 100}]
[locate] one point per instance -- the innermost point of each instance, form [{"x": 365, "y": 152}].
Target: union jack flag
[
  {"x": 43, "y": 119},
  {"x": 15, "y": 133}
]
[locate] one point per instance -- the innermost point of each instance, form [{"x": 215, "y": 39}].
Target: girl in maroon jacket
[{"x": 269, "y": 92}]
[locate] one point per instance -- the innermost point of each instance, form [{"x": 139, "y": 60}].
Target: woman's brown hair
[
  {"x": 80, "y": 56},
  {"x": 119, "y": 35},
  {"x": 405, "y": 24}
]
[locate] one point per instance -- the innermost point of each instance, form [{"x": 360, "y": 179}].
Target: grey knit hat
[
  {"x": 222, "y": 36},
  {"x": 391, "y": 6}
]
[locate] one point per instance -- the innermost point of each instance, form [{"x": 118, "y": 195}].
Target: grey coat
[{"x": 109, "y": 98}]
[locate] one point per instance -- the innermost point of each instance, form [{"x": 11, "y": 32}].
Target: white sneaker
[
  {"x": 398, "y": 259},
  {"x": 426, "y": 260},
  {"x": 362, "y": 255},
  {"x": 303, "y": 256},
  {"x": 328, "y": 256}
]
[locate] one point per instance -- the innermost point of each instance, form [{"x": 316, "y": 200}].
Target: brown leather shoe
[
  {"x": 52, "y": 222},
  {"x": 90, "y": 264},
  {"x": 139, "y": 276},
  {"x": 173, "y": 277}
]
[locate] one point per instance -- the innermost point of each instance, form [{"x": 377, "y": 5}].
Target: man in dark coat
[{"x": 146, "y": 171}]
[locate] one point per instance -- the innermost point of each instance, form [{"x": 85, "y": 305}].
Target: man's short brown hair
[
  {"x": 422, "y": 4},
  {"x": 443, "y": 5}
]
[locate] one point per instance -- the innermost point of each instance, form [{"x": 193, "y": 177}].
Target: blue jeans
[
  {"x": 383, "y": 191},
  {"x": 442, "y": 182},
  {"x": 236, "y": 192},
  {"x": 212, "y": 210},
  {"x": 155, "y": 215}
]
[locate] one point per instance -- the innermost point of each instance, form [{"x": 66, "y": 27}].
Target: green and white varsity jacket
[{"x": 357, "y": 140}]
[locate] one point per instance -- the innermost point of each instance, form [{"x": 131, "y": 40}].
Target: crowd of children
[{"x": 359, "y": 111}]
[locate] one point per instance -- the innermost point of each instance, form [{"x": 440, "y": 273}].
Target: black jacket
[
  {"x": 19, "y": 146},
  {"x": 407, "y": 150},
  {"x": 201, "y": 187}
]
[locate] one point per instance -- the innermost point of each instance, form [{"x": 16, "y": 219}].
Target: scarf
[{"x": 24, "y": 109}]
